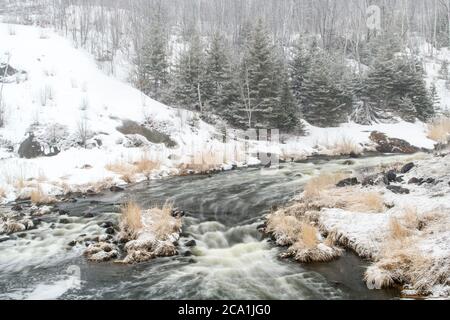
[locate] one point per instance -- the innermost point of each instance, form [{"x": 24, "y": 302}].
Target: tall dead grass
[
  {"x": 131, "y": 219},
  {"x": 39, "y": 197},
  {"x": 439, "y": 130},
  {"x": 284, "y": 228},
  {"x": 2, "y": 193},
  {"x": 345, "y": 146},
  {"x": 317, "y": 185}
]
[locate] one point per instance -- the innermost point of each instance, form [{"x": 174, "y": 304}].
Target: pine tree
[
  {"x": 287, "y": 116},
  {"x": 259, "y": 83},
  {"x": 218, "y": 76},
  {"x": 299, "y": 66},
  {"x": 326, "y": 101},
  {"x": 435, "y": 100},
  {"x": 443, "y": 72},
  {"x": 188, "y": 86},
  {"x": 153, "y": 62}
]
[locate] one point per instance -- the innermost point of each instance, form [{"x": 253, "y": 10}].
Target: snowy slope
[{"x": 64, "y": 86}]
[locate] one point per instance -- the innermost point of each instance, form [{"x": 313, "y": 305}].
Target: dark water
[{"x": 230, "y": 261}]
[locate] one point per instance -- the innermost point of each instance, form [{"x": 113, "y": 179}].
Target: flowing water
[{"x": 230, "y": 261}]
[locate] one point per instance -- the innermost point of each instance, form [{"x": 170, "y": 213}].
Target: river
[{"x": 230, "y": 261}]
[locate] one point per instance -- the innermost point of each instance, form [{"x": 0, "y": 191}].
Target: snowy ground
[{"x": 64, "y": 86}]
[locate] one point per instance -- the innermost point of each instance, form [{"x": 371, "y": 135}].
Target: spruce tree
[
  {"x": 443, "y": 72},
  {"x": 326, "y": 101},
  {"x": 259, "y": 83},
  {"x": 188, "y": 86},
  {"x": 299, "y": 66},
  {"x": 287, "y": 116},
  {"x": 218, "y": 76},
  {"x": 153, "y": 65}
]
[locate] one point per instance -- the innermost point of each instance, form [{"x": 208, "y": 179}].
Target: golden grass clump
[
  {"x": 202, "y": 162},
  {"x": 345, "y": 146},
  {"x": 163, "y": 224},
  {"x": 308, "y": 235},
  {"x": 39, "y": 197},
  {"x": 397, "y": 231},
  {"x": 439, "y": 130},
  {"x": 324, "y": 181},
  {"x": 131, "y": 220},
  {"x": 146, "y": 165},
  {"x": 125, "y": 170},
  {"x": 284, "y": 228},
  {"x": 2, "y": 193}
]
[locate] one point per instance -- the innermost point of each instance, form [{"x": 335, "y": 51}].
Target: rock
[
  {"x": 63, "y": 212},
  {"x": 86, "y": 167},
  {"x": 17, "y": 207},
  {"x": 398, "y": 190},
  {"x": 348, "y": 163},
  {"x": 110, "y": 230},
  {"x": 191, "y": 243},
  {"x": 415, "y": 181},
  {"x": 106, "y": 224},
  {"x": 389, "y": 177},
  {"x": 187, "y": 254},
  {"x": 4, "y": 238},
  {"x": 101, "y": 252},
  {"x": 72, "y": 243},
  {"x": 347, "y": 182},
  {"x": 391, "y": 145},
  {"x": 407, "y": 167},
  {"x": 88, "y": 215},
  {"x": 176, "y": 213},
  {"x": 116, "y": 189},
  {"x": 30, "y": 148},
  {"x": 399, "y": 179},
  {"x": 64, "y": 221}
]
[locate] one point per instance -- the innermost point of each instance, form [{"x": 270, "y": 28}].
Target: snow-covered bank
[{"x": 400, "y": 219}]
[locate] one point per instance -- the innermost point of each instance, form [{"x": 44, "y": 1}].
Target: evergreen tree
[
  {"x": 435, "y": 100},
  {"x": 218, "y": 76},
  {"x": 443, "y": 72},
  {"x": 287, "y": 114},
  {"x": 299, "y": 66},
  {"x": 153, "y": 62},
  {"x": 188, "y": 87},
  {"x": 259, "y": 81},
  {"x": 326, "y": 101}
]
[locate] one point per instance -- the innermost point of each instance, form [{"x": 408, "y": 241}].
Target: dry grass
[
  {"x": 163, "y": 223},
  {"x": 344, "y": 146},
  {"x": 439, "y": 130},
  {"x": 125, "y": 170},
  {"x": 145, "y": 165},
  {"x": 397, "y": 231},
  {"x": 2, "y": 193},
  {"x": 128, "y": 171},
  {"x": 284, "y": 228},
  {"x": 39, "y": 197},
  {"x": 201, "y": 162},
  {"x": 308, "y": 235},
  {"x": 131, "y": 221},
  {"x": 324, "y": 181}
]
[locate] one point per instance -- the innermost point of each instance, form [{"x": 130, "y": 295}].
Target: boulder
[
  {"x": 347, "y": 182},
  {"x": 390, "y": 176},
  {"x": 30, "y": 148},
  {"x": 398, "y": 190},
  {"x": 415, "y": 180},
  {"x": 407, "y": 167},
  {"x": 384, "y": 144},
  {"x": 190, "y": 243}
]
